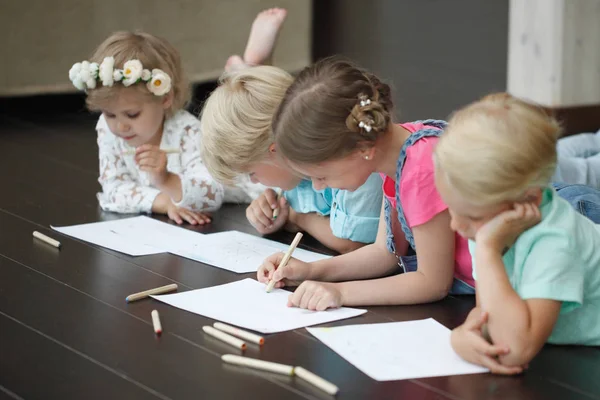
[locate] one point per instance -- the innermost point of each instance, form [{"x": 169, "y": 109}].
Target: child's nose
[
  {"x": 123, "y": 127},
  {"x": 454, "y": 224}
]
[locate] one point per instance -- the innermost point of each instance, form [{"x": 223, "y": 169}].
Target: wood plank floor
[{"x": 66, "y": 331}]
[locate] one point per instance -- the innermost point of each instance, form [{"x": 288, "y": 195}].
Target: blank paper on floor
[
  {"x": 231, "y": 250},
  {"x": 246, "y": 304},
  {"x": 111, "y": 234},
  {"x": 236, "y": 251},
  {"x": 397, "y": 350}
]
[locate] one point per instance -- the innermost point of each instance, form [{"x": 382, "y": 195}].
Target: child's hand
[
  {"x": 502, "y": 230},
  {"x": 152, "y": 160},
  {"x": 179, "y": 214},
  {"x": 316, "y": 296},
  {"x": 468, "y": 341},
  {"x": 260, "y": 212},
  {"x": 294, "y": 270}
]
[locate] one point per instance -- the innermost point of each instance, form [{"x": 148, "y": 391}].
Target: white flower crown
[{"x": 85, "y": 74}]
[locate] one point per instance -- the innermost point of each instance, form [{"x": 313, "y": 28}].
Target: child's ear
[
  {"x": 272, "y": 149},
  {"x": 167, "y": 100},
  {"x": 367, "y": 152},
  {"x": 533, "y": 195}
]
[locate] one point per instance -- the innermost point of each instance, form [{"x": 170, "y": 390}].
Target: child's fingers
[
  {"x": 260, "y": 216},
  {"x": 296, "y": 297},
  {"x": 265, "y": 207},
  {"x": 251, "y": 216},
  {"x": 148, "y": 163},
  {"x": 306, "y": 298},
  {"x": 476, "y": 323},
  {"x": 482, "y": 347},
  {"x": 284, "y": 210},
  {"x": 282, "y": 272},
  {"x": 188, "y": 216},
  {"x": 191, "y": 218},
  {"x": 146, "y": 155},
  {"x": 324, "y": 303},
  {"x": 533, "y": 212},
  {"x": 275, "y": 258},
  {"x": 201, "y": 216},
  {"x": 491, "y": 350},
  {"x": 261, "y": 275},
  {"x": 271, "y": 198},
  {"x": 175, "y": 217},
  {"x": 482, "y": 320},
  {"x": 282, "y": 283},
  {"x": 314, "y": 300},
  {"x": 269, "y": 268},
  {"x": 308, "y": 290},
  {"x": 265, "y": 271},
  {"x": 143, "y": 148},
  {"x": 496, "y": 368}
]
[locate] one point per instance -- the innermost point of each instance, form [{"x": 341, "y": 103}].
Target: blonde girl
[{"x": 535, "y": 257}]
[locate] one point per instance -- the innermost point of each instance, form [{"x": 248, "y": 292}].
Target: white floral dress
[{"x": 126, "y": 189}]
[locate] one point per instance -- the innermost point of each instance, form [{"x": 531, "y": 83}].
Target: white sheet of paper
[
  {"x": 157, "y": 234},
  {"x": 237, "y": 251},
  {"x": 232, "y": 250},
  {"x": 246, "y": 304},
  {"x": 397, "y": 350},
  {"x": 109, "y": 234}
]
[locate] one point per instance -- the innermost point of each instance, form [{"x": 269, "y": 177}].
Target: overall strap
[{"x": 428, "y": 131}]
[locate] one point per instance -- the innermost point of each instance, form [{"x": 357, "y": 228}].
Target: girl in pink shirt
[
  {"x": 420, "y": 201},
  {"x": 334, "y": 125}
]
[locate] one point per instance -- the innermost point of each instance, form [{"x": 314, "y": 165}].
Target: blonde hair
[
  {"x": 152, "y": 52},
  {"x": 495, "y": 149},
  {"x": 332, "y": 108},
  {"x": 236, "y": 120}
]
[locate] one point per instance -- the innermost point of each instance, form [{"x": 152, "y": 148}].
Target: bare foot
[
  {"x": 235, "y": 63},
  {"x": 263, "y": 36}
]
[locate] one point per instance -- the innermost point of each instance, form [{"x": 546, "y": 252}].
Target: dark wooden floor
[{"x": 67, "y": 332}]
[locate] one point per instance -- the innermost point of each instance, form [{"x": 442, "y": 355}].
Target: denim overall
[
  {"x": 584, "y": 199},
  {"x": 408, "y": 263}
]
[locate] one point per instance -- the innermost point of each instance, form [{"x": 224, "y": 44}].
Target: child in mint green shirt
[
  {"x": 535, "y": 256},
  {"x": 559, "y": 259}
]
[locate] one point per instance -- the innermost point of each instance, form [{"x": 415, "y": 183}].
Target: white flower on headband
[
  {"x": 85, "y": 75},
  {"x": 105, "y": 73},
  {"x": 366, "y": 127},
  {"x": 93, "y": 69},
  {"x": 74, "y": 76},
  {"x": 132, "y": 72},
  {"x": 84, "y": 71},
  {"x": 160, "y": 83},
  {"x": 365, "y": 102},
  {"x": 146, "y": 75},
  {"x": 117, "y": 75}
]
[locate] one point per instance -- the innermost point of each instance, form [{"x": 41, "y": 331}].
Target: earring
[{"x": 366, "y": 157}]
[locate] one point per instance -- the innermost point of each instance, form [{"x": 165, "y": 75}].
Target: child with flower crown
[{"x": 149, "y": 146}]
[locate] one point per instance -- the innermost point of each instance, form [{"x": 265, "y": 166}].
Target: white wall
[{"x": 554, "y": 51}]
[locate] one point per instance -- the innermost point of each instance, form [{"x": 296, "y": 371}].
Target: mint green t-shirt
[{"x": 559, "y": 259}]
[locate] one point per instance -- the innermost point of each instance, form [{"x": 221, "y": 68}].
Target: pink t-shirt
[{"x": 421, "y": 200}]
